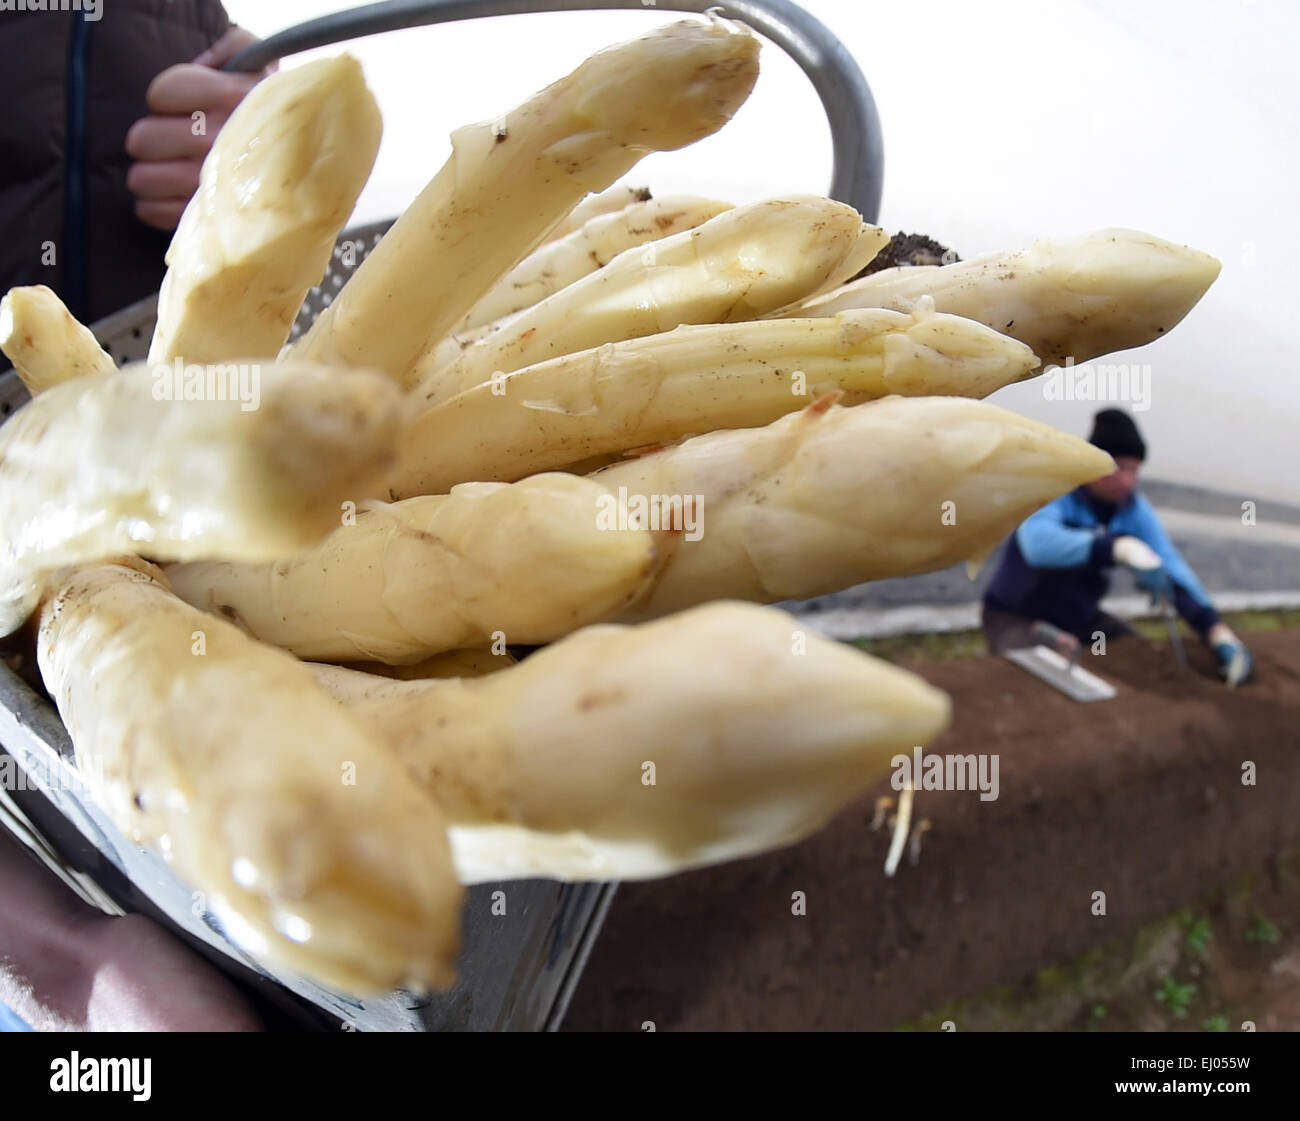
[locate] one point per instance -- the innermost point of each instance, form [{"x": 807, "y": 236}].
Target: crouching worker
[{"x": 1056, "y": 566}]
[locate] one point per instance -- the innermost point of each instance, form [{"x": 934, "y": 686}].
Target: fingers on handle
[
  {"x": 182, "y": 88},
  {"x": 224, "y": 49}
]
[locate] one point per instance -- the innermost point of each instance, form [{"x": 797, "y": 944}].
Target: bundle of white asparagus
[{"x": 546, "y": 409}]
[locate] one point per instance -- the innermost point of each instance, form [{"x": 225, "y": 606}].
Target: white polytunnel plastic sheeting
[{"x": 1003, "y": 121}]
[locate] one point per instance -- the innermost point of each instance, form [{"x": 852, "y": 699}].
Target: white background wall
[{"x": 1004, "y": 120}]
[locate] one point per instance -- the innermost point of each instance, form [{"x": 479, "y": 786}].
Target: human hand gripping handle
[
  {"x": 1235, "y": 663},
  {"x": 188, "y": 104},
  {"x": 1146, "y": 564}
]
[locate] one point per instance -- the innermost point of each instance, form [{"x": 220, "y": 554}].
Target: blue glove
[
  {"x": 1157, "y": 582},
  {"x": 1235, "y": 663}
]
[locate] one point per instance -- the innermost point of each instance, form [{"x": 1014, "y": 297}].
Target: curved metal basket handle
[{"x": 859, "y": 155}]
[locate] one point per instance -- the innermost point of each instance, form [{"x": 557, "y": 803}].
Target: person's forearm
[
  {"x": 67, "y": 966},
  {"x": 1201, "y": 617},
  {"x": 42, "y": 975}
]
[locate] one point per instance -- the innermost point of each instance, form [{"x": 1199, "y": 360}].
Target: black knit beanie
[{"x": 1114, "y": 431}]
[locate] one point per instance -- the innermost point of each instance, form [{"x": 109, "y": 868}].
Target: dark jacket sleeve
[{"x": 1190, "y": 599}]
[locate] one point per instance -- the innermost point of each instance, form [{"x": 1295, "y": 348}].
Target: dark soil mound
[{"x": 1141, "y": 797}]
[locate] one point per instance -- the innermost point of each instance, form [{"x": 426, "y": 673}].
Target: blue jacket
[{"x": 1056, "y": 566}]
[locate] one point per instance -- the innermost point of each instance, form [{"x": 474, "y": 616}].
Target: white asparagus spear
[
  {"x": 1072, "y": 298},
  {"x": 830, "y": 497},
  {"x": 740, "y": 265},
  {"x": 559, "y": 263},
  {"x": 447, "y": 350},
  {"x": 609, "y": 201},
  {"x": 523, "y": 561},
  {"x": 630, "y": 752},
  {"x": 44, "y": 341},
  {"x": 109, "y": 463},
  {"x": 693, "y": 380},
  {"x": 305, "y": 836},
  {"x": 281, "y": 179},
  {"x": 509, "y": 181},
  {"x": 595, "y": 243}
]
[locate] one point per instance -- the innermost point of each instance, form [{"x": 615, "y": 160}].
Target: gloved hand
[
  {"x": 1146, "y": 564},
  {"x": 1235, "y": 663}
]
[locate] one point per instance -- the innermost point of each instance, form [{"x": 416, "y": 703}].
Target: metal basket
[{"x": 516, "y": 970}]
